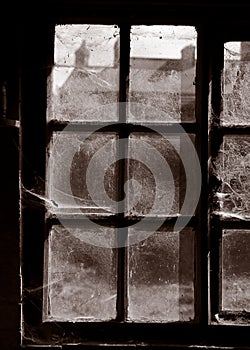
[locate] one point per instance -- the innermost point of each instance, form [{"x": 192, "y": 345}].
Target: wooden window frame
[
  {"x": 218, "y": 223},
  {"x": 204, "y": 332}
]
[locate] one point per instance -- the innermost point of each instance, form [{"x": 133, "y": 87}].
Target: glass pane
[
  {"x": 232, "y": 168},
  {"x": 72, "y": 155},
  {"x": 236, "y": 270},
  {"x": 162, "y": 74},
  {"x": 156, "y": 177},
  {"x": 236, "y": 102},
  {"x": 81, "y": 277},
  {"x": 85, "y": 77},
  {"x": 161, "y": 277}
]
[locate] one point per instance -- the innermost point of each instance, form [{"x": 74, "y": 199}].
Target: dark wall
[
  {"x": 9, "y": 189},
  {"x": 13, "y": 16},
  {"x": 9, "y": 240}
]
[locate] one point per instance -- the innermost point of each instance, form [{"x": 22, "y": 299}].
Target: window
[
  {"x": 230, "y": 173},
  {"x": 109, "y": 268},
  {"x": 85, "y": 177}
]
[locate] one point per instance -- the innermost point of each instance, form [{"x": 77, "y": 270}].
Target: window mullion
[
  {"x": 122, "y": 170},
  {"x": 215, "y": 140},
  {"x": 202, "y": 88}
]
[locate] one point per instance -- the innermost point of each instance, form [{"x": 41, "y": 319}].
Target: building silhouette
[{"x": 164, "y": 84}]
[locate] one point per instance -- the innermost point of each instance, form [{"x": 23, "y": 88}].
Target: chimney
[
  {"x": 188, "y": 57},
  {"x": 82, "y": 56},
  {"x": 187, "y": 83},
  {"x": 116, "y": 53},
  {"x": 245, "y": 51}
]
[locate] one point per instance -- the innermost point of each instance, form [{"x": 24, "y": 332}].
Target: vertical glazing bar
[
  {"x": 215, "y": 140},
  {"x": 123, "y": 138},
  {"x": 202, "y": 88},
  {"x": 124, "y": 70},
  {"x": 215, "y": 267}
]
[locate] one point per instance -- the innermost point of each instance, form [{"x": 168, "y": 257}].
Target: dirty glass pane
[
  {"x": 236, "y": 270},
  {"x": 162, "y": 74},
  {"x": 81, "y": 277},
  {"x": 236, "y": 78},
  {"x": 161, "y": 276},
  {"x": 232, "y": 169},
  {"x": 155, "y": 175},
  {"x": 84, "y": 82},
  {"x": 82, "y": 172}
]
